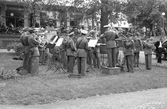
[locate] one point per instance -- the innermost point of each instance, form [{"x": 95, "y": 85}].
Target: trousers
[
  {"x": 136, "y": 59},
  {"x": 70, "y": 63},
  {"x": 111, "y": 54},
  {"x": 42, "y": 58},
  {"x": 25, "y": 61},
  {"x": 96, "y": 59},
  {"x": 81, "y": 61},
  {"x": 129, "y": 63},
  {"x": 34, "y": 65},
  {"x": 148, "y": 61},
  {"x": 159, "y": 55}
]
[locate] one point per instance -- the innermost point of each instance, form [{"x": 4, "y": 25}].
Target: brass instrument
[
  {"x": 42, "y": 41},
  {"x": 147, "y": 44}
]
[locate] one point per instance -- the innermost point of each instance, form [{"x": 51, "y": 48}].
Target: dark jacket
[
  {"x": 33, "y": 42},
  {"x": 82, "y": 47},
  {"x": 129, "y": 47},
  {"x": 110, "y": 37},
  {"x": 70, "y": 47}
]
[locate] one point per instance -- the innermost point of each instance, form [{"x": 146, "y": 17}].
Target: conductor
[{"x": 110, "y": 36}]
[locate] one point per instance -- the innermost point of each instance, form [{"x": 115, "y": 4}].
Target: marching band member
[
  {"x": 129, "y": 53},
  {"x": 63, "y": 51},
  {"x": 24, "y": 40},
  {"x": 94, "y": 51},
  {"x": 148, "y": 46},
  {"x": 34, "y": 54},
  {"x": 82, "y": 48},
  {"x": 120, "y": 42},
  {"x": 42, "y": 48},
  {"x": 89, "y": 54},
  {"x": 138, "y": 46},
  {"x": 70, "y": 51},
  {"x": 110, "y": 37}
]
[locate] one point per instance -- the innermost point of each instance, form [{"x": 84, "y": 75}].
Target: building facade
[{"x": 15, "y": 13}]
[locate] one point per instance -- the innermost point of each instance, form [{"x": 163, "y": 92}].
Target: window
[{"x": 15, "y": 17}]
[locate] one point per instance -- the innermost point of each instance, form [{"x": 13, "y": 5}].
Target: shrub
[{"x": 16, "y": 46}]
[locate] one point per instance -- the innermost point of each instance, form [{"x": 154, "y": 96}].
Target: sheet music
[
  {"x": 50, "y": 35},
  {"x": 92, "y": 42},
  {"x": 59, "y": 42},
  {"x": 52, "y": 42}
]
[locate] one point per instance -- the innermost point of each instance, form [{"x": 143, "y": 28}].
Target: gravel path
[{"x": 150, "y": 99}]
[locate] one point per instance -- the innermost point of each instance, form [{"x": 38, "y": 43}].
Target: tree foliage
[{"x": 146, "y": 12}]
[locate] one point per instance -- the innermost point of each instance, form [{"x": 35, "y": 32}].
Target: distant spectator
[
  {"x": 11, "y": 25},
  {"x": 37, "y": 25},
  {"x": 3, "y": 28}
]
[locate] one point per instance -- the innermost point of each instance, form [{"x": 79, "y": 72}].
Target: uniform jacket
[
  {"x": 64, "y": 43},
  {"x": 110, "y": 37},
  {"x": 24, "y": 40},
  {"x": 148, "y": 48},
  {"x": 137, "y": 45},
  {"x": 129, "y": 47},
  {"x": 34, "y": 51},
  {"x": 82, "y": 47},
  {"x": 70, "y": 47}
]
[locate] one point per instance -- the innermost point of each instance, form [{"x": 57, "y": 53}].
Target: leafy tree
[
  {"x": 146, "y": 12},
  {"x": 91, "y": 8}
]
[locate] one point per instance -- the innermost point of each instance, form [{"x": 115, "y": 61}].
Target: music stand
[
  {"x": 55, "y": 59},
  {"x": 92, "y": 44},
  {"x": 59, "y": 66}
]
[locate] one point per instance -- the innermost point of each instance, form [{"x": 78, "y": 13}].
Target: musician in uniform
[
  {"x": 138, "y": 46},
  {"x": 148, "y": 46},
  {"x": 110, "y": 37},
  {"x": 89, "y": 53},
  {"x": 24, "y": 40},
  {"x": 34, "y": 54},
  {"x": 129, "y": 53},
  {"x": 63, "y": 51},
  {"x": 82, "y": 48},
  {"x": 42, "y": 48},
  {"x": 95, "y": 51},
  {"x": 70, "y": 51}
]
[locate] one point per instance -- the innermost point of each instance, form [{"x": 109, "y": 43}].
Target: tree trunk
[
  {"x": 104, "y": 21},
  {"x": 104, "y": 16},
  {"x": 93, "y": 17},
  {"x": 87, "y": 20}
]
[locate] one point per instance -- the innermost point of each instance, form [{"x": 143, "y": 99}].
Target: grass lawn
[{"x": 51, "y": 87}]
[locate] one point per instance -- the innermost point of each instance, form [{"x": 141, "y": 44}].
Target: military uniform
[
  {"x": 82, "y": 48},
  {"x": 137, "y": 47},
  {"x": 42, "y": 51},
  {"x": 95, "y": 54},
  {"x": 129, "y": 53},
  {"x": 63, "y": 52},
  {"x": 148, "y": 46},
  {"x": 70, "y": 51},
  {"x": 34, "y": 55},
  {"x": 110, "y": 37},
  {"x": 26, "y": 48}
]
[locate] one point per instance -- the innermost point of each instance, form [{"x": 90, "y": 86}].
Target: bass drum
[{"x": 103, "y": 49}]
